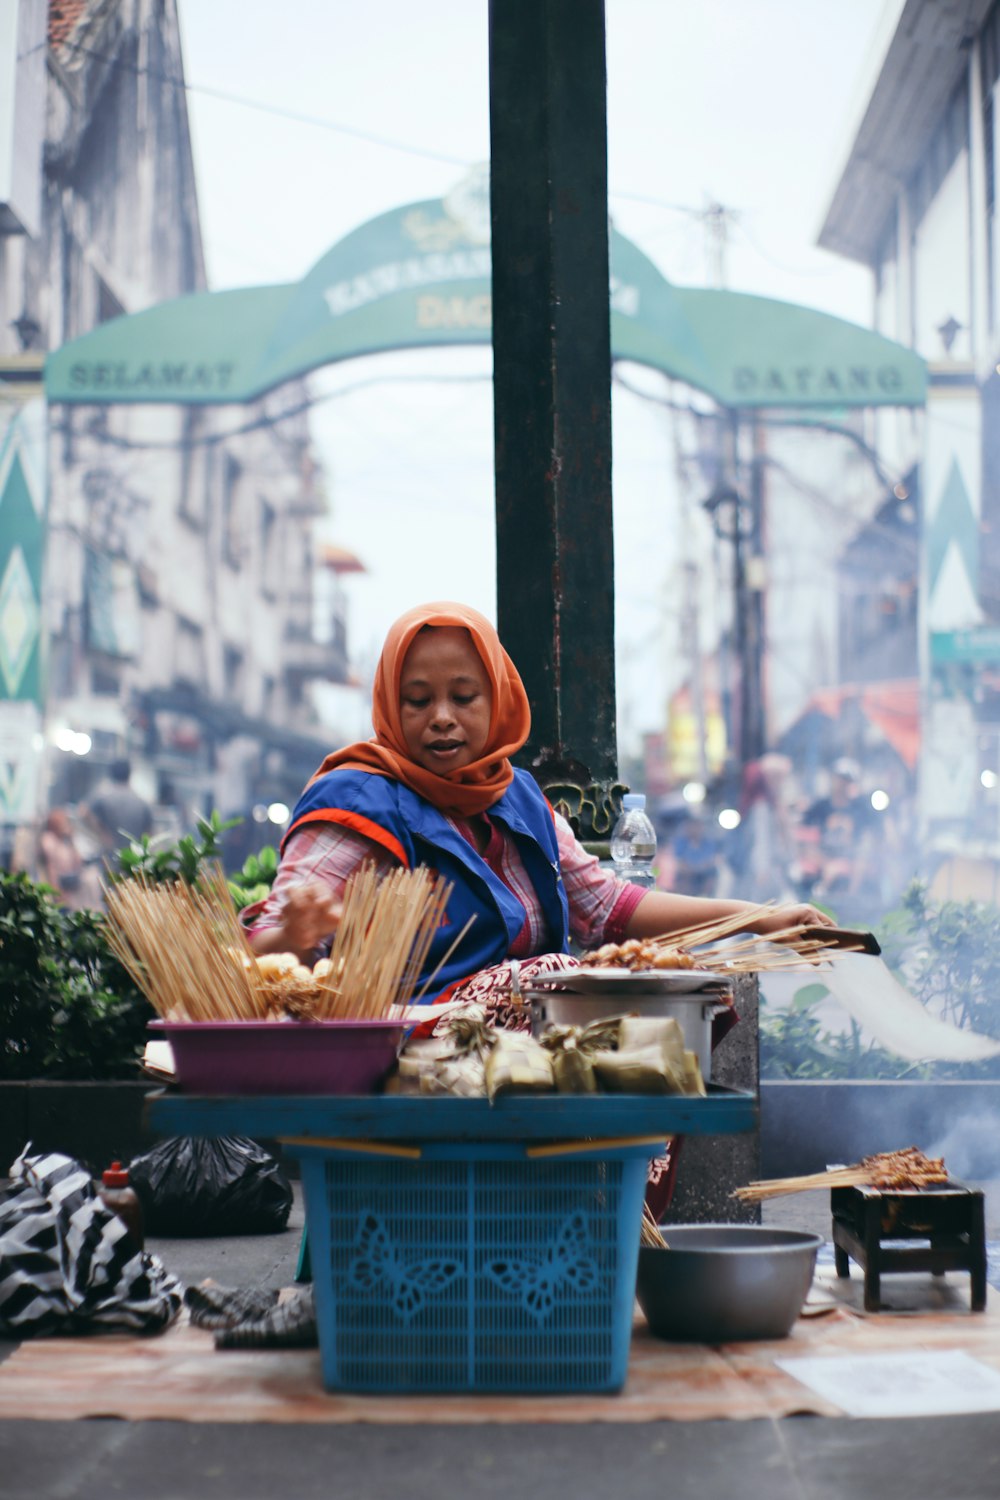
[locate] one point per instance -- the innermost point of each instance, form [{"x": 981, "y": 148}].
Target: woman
[
  {"x": 436, "y": 787},
  {"x": 60, "y": 861}
]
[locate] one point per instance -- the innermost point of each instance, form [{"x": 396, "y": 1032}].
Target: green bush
[
  {"x": 794, "y": 1045},
  {"x": 68, "y": 1009}
]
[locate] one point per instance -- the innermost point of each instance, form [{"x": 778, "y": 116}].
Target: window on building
[
  {"x": 989, "y": 171},
  {"x": 945, "y": 147},
  {"x": 190, "y": 662},
  {"x": 270, "y": 560},
  {"x": 234, "y": 541},
  {"x": 193, "y": 482},
  {"x": 104, "y": 681},
  {"x": 234, "y": 668}
]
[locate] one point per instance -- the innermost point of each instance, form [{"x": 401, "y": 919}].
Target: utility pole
[
  {"x": 755, "y": 737},
  {"x": 690, "y": 624},
  {"x": 748, "y": 731},
  {"x": 717, "y": 219},
  {"x": 552, "y": 392}
]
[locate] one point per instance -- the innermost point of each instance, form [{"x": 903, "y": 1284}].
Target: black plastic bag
[{"x": 210, "y": 1185}]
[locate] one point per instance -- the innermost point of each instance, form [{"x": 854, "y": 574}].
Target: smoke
[
  {"x": 806, "y": 1127},
  {"x": 971, "y": 1147}
]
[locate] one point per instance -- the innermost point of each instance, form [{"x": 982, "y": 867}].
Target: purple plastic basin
[{"x": 281, "y": 1057}]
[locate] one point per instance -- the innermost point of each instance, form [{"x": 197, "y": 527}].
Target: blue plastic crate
[{"x": 475, "y": 1268}]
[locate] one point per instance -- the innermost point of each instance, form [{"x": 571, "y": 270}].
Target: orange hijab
[{"x": 472, "y": 788}]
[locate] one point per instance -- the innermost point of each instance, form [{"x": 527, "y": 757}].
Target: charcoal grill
[{"x": 939, "y": 1228}]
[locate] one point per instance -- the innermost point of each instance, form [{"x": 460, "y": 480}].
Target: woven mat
[{"x": 180, "y": 1376}]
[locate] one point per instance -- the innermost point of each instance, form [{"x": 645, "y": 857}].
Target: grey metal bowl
[{"x": 723, "y": 1283}]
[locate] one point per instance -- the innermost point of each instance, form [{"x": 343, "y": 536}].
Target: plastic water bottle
[{"x": 633, "y": 842}]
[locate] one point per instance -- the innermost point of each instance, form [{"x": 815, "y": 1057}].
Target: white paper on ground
[
  {"x": 900, "y": 1385},
  {"x": 870, "y": 992}
]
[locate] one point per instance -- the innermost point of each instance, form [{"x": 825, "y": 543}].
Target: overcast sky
[{"x": 310, "y": 117}]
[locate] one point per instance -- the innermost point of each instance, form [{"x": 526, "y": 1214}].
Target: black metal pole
[
  {"x": 552, "y": 390},
  {"x": 756, "y": 731}
]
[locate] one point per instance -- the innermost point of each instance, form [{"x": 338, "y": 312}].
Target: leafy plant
[
  {"x": 948, "y": 957},
  {"x": 67, "y": 1007},
  {"x": 160, "y": 859},
  {"x": 253, "y": 882},
  {"x": 793, "y": 1044}
]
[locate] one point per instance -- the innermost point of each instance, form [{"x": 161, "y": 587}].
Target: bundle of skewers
[
  {"x": 713, "y": 946},
  {"x": 185, "y": 949},
  {"x": 649, "y": 1231},
  {"x": 906, "y": 1170}
]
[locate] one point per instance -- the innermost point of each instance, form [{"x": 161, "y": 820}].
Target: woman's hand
[
  {"x": 309, "y": 916},
  {"x": 801, "y": 914}
]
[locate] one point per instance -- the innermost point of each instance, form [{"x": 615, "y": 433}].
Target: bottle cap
[
  {"x": 115, "y": 1176},
  {"x": 633, "y": 799}
]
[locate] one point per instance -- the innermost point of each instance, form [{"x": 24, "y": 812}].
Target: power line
[
  {"x": 677, "y": 208},
  {"x": 295, "y": 116},
  {"x": 813, "y": 424},
  {"x": 112, "y": 440},
  {"x": 780, "y": 265}
]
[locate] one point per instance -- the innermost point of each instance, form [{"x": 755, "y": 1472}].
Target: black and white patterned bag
[{"x": 67, "y": 1263}]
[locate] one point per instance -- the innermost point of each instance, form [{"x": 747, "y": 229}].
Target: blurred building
[
  {"x": 157, "y": 564},
  {"x": 917, "y": 202},
  {"x": 789, "y": 649}
]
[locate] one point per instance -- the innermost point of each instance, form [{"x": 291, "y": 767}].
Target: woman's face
[{"x": 445, "y": 700}]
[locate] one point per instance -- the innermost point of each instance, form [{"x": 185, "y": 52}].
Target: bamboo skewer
[
  {"x": 382, "y": 941},
  {"x": 173, "y": 941},
  {"x": 184, "y": 947},
  {"x": 649, "y": 1231},
  {"x": 905, "y": 1170},
  {"x": 754, "y": 952},
  {"x": 776, "y": 1187},
  {"x": 704, "y": 932}
]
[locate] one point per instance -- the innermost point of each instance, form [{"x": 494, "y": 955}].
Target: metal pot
[{"x": 724, "y": 1283}]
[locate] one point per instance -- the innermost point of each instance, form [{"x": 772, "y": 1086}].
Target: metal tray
[{"x": 600, "y": 982}]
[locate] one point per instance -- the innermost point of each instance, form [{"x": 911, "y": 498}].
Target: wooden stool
[{"x": 949, "y": 1219}]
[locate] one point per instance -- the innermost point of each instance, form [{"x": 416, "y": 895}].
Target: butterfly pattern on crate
[
  {"x": 411, "y": 1280},
  {"x": 563, "y": 1266}
]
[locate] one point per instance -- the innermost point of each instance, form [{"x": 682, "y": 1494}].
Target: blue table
[
  {"x": 403, "y": 1118},
  {"x": 460, "y": 1245}
]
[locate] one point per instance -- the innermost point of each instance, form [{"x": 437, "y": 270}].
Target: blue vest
[{"x": 413, "y": 831}]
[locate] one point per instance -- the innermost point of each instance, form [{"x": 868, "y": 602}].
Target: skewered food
[
  {"x": 185, "y": 949},
  {"x": 906, "y": 1170},
  {"x": 636, "y": 955},
  {"x": 695, "y": 947}
]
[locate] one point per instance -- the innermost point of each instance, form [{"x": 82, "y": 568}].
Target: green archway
[{"x": 420, "y": 276}]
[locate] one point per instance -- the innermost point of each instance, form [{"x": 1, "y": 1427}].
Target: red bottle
[{"x": 122, "y": 1200}]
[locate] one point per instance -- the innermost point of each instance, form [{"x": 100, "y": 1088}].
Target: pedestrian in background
[
  {"x": 843, "y": 822},
  {"x": 766, "y": 829},
  {"x": 116, "y": 813},
  {"x": 696, "y": 857},
  {"x": 60, "y": 862}
]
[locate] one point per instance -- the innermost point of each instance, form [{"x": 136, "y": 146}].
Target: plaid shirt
[{"x": 599, "y": 904}]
